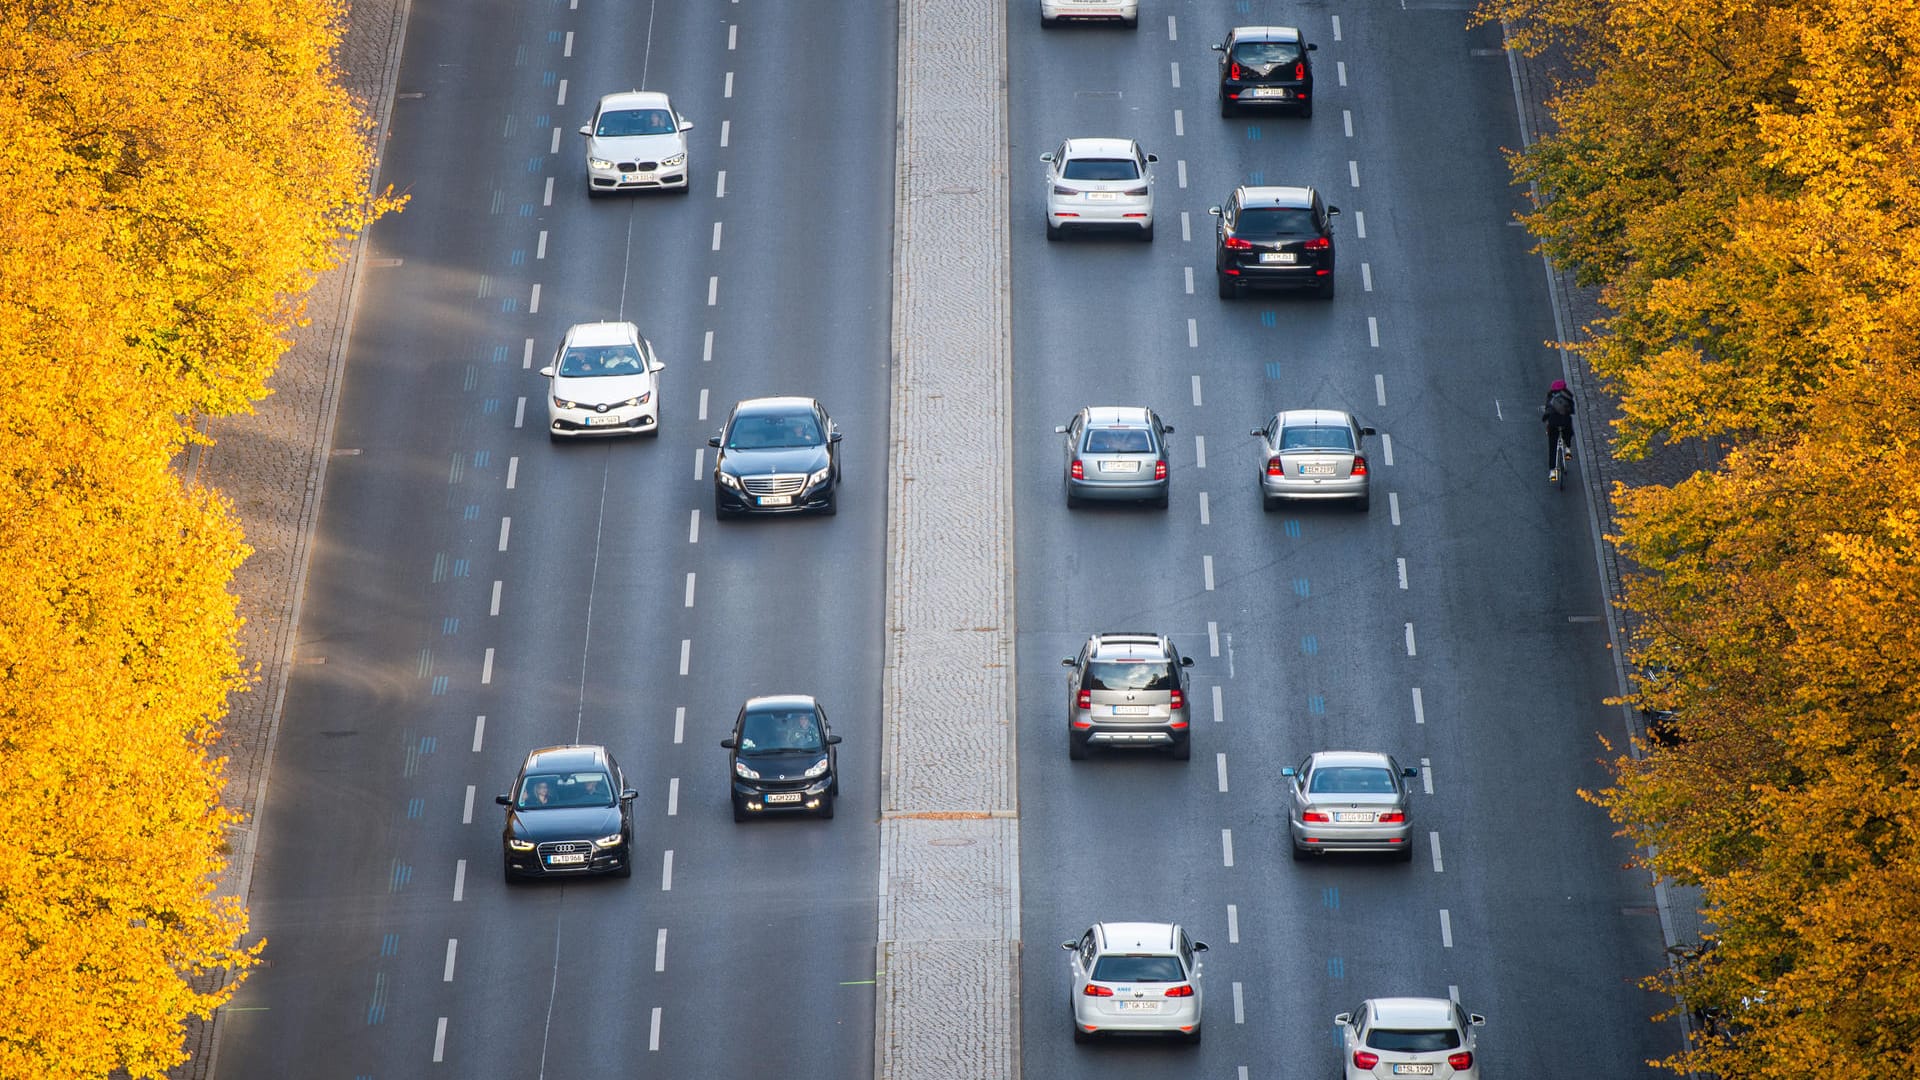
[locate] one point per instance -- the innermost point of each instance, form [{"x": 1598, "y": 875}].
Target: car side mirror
[
  {"x": 1060, "y": 429},
  {"x": 1258, "y": 432},
  {"x": 1153, "y": 157},
  {"x": 687, "y": 125},
  {"x": 1066, "y": 661},
  {"x": 833, "y": 740},
  {"x": 1476, "y": 1019},
  {"x": 1166, "y": 429},
  {"x": 726, "y": 744},
  {"x": 1333, "y": 211},
  {"x": 1048, "y": 156},
  {"x": 629, "y": 794},
  {"x": 1199, "y": 946},
  {"x": 833, "y": 436},
  {"x": 547, "y": 371},
  {"x": 1410, "y": 773},
  {"x": 1186, "y": 661},
  {"x": 1214, "y": 210},
  {"x": 1069, "y": 945},
  {"x": 1218, "y": 48},
  {"x": 713, "y": 440},
  {"x": 1343, "y": 1019},
  {"x": 503, "y": 800},
  {"x": 1311, "y": 47},
  {"x": 586, "y": 129},
  {"x": 1368, "y": 431},
  {"x": 1287, "y": 770}
]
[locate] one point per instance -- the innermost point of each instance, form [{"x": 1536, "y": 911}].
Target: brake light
[
  {"x": 1234, "y": 243},
  {"x": 1141, "y": 190},
  {"x": 1314, "y": 815},
  {"x": 1392, "y": 817},
  {"x": 1359, "y": 465},
  {"x": 1079, "y": 470},
  {"x": 1233, "y": 70},
  {"x": 1177, "y": 700},
  {"x": 1274, "y": 467},
  {"x": 1183, "y": 990},
  {"x": 1096, "y": 990},
  {"x": 1159, "y": 470},
  {"x": 1318, "y": 243},
  {"x": 1300, "y": 71},
  {"x": 1364, "y": 1060},
  {"x": 1461, "y": 1060},
  {"x": 1085, "y": 700}
]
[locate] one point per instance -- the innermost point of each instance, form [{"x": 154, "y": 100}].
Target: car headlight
[
  {"x": 740, "y": 770},
  {"x": 728, "y": 479},
  {"x": 609, "y": 841},
  {"x": 816, "y": 769},
  {"x": 599, "y": 163},
  {"x": 563, "y": 403},
  {"x": 677, "y": 159},
  {"x": 641, "y": 400},
  {"x": 819, "y": 476},
  {"x": 520, "y": 845}
]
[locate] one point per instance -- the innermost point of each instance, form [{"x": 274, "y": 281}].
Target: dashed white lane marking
[
  {"x": 1360, "y": 224},
  {"x": 1340, "y": 69},
  {"x": 713, "y": 289},
  {"x": 1239, "y": 1006},
  {"x": 726, "y": 132},
  {"x": 1498, "y": 414},
  {"x": 703, "y": 403},
  {"x": 506, "y": 525},
  {"x": 660, "y": 950},
  {"x": 567, "y": 49},
  {"x": 1213, "y": 649},
  {"x": 519, "y": 412},
  {"x": 1193, "y": 333},
  {"x": 533, "y": 301},
  {"x": 453, "y": 946},
  {"x": 716, "y": 236},
  {"x": 1219, "y": 713},
  {"x": 1205, "y": 517},
  {"x": 486, "y": 668},
  {"x": 1419, "y": 707},
  {"x": 1366, "y": 277},
  {"x": 699, "y": 462},
  {"x": 1393, "y": 506},
  {"x": 1386, "y": 448},
  {"x": 1426, "y": 775},
  {"x": 720, "y": 183},
  {"x": 1380, "y": 389},
  {"x": 693, "y": 526},
  {"x": 540, "y": 248},
  {"x": 466, "y": 808},
  {"x": 1189, "y": 277},
  {"x": 440, "y": 1039},
  {"x": 1243, "y": 1073},
  {"x": 1453, "y": 994},
  {"x": 1173, "y": 32},
  {"x": 653, "y": 1030},
  {"x": 689, "y": 602},
  {"x": 546, "y": 196},
  {"x": 1434, "y": 839},
  {"x": 1199, "y": 451},
  {"x": 493, "y": 608},
  {"x": 526, "y": 355},
  {"x": 1186, "y": 233},
  {"x": 479, "y": 731},
  {"x": 459, "y": 880},
  {"x": 553, "y": 149},
  {"x": 1346, "y": 119},
  {"x": 1336, "y": 28},
  {"x": 1400, "y": 564},
  {"x": 1176, "y": 74},
  {"x": 1226, "y": 846},
  {"x": 1446, "y": 929},
  {"x": 673, "y": 800},
  {"x": 1179, "y": 123},
  {"x": 513, "y": 471},
  {"x": 686, "y": 652},
  {"x": 1233, "y": 924},
  {"x": 666, "y": 870},
  {"x": 733, "y": 39},
  {"x": 1373, "y": 331},
  {"x": 727, "y": 87},
  {"x": 562, "y": 98},
  {"x": 1206, "y": 570},
  {"x": 1220, "y": 766},
  {"x": 1410, "y": 651},
  {"x": 1196, "y": 391},
  {"x": 679, "y": 723},
  {"x": 1180, "y": 168}
]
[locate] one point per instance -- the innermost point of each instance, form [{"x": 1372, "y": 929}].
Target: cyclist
[{"x": 1557, "y": 415}]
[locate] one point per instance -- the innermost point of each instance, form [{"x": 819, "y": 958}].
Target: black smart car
[
  {"x": 1267, "y": 67},
  {"x": 783, "y": 758},
  {"x": 569, "y": 813},
  {"x": 1276, "y": 238},
  {"x": 778, "y": 455}
]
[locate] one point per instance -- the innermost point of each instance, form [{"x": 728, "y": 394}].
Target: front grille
[
  {"x": 773, "y": 485},
  {"x": 638, "y": 166},
  {"x": 565, "y": 847}
]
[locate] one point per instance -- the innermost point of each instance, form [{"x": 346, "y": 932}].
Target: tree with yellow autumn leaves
[
  {"x": 172, "y": 176},
  {"x": 1742, "y": 179}
]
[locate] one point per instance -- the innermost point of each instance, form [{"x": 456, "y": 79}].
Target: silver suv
[
  {"x": 1128, "y": 690},
  {"x": 1135, "y": 978}
]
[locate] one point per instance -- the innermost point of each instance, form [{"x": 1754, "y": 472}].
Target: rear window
[
  {"x": 1352, "y": 780},
  {"x": 1413, "y": 1042},
  {"x": 1129, "y": 675},
  {"x": 1100, "y": 169},
  {"x": 1261, "y": 55},
  {"x": 1316, "y": 438},
  {"x": 1269, "y": 223},
  {"x": 1118, "y": 441},
  {"x": 1138, "y": 969}
]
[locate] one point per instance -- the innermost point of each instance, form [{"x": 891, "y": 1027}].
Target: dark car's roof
[
  {"x": 1291, "y": 198},
  {"x": 566, "y": 757}
]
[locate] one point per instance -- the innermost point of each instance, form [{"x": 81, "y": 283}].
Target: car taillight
[
  {"x": 1359, "y": 465},
  {"x": 1177, "y": 700},
  {"x": 1392, "y": 817},
  {"x": 1318, "y": 243},
  {"x": 1274, "y": 467},
  {"x": 1059, "y": 189},
  {"x": 1085, "y": 700},
  {"x": 1364, "y": 1060},
  {"x": 1141, "y": 190},
  {"x": 1314, "y": 815},
  {"x": 1234, "y": 243},
  {"x": 1233, "y": 70},
  {"x": 1079, "y": 470},
  {"x": 1300, "y": 71},
  {"x": 1461, "y": 1060},
  {"x": 1183, "y": 990},
  {"x": 1159, "y": 470},
  {"x": 1096, "y": 990}
]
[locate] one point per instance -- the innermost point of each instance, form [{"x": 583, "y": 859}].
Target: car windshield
[
  {"x": 1264, "y": 55},
  {"x": 1118, "y": 441},
  {"x": 1352, "y": 780},
  {"x": 1316, "y": 438},
  {"x": 591, "y": 361},
  {"x": 767, "y": 432},
  {"x": 1271, "y": 223},
  {"x": 1100, "y": 169},
  {"x": 792, "y": 729},
  {"x": 1138, "y": 969},
  {"x": 581, "y": 787},
  {"x": 623, "y": 122},
  {"x": 1413, "y": 1042},
  {"x": 1129, "y": 675}
]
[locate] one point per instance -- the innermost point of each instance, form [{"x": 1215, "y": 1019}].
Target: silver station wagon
[
  {"x": 1313, "y": 454},
  {"x": 1135, "y": 978}
]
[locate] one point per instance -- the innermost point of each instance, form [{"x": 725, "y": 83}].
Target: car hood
[
  {"x": 636, "y": 147},
  {"x": 601, "y": 389},
  {"x": 564, "y": 823},
  {"x": 785, "y": 459},
  {"x": 782, "y": 766}
]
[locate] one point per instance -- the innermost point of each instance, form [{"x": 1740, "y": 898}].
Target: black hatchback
[
  {"x": 1265, "y": 66},
  {"x": 569, "y": 813},
  {"x": 1276, "y": 238},
  {"x": 783, "y": 758}
]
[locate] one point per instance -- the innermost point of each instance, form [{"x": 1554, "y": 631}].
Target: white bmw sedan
[
  {"x": 605, "y": 381},
  {"x": 636, "y": 142}
]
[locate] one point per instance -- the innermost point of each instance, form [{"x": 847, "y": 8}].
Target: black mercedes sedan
[
  {"x": 778, "y": 455},
  {"x": 783, "y": 757},
  {"x": 569, "y": 813}
]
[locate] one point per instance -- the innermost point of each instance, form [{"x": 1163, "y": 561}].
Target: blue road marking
[
  {"x": 390, "y": 945},
  {"x": 439, "y": 685},
  {"x": 1273, "y": 369},
  {"x": 1317, "y": 705},
  {"x": 1268, "y": 318},
  {"x": 1293, "y": 529},
  {"x": 472, "y": 512},
  {"x": 449, "y": 626},
  {"x": 1336, "y": 968},
  {"x": 414, "y": 809},
  {"x": 1310, "y": 645},
  {"x": 1331, "y": 895},
  {"x": 1299, "y": 586}
]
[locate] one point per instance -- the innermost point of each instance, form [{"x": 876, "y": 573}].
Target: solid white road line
[
  {"x": 479, "y": 729},
  {"x": 660, "y": 950},
  {"x": 1434, "y": 838},
  {"x": 1220, "y": 765},
  {"x": 494, "y": 607},
  {"x": 1233, "y": 924},
  {"x": 459, "y": 880},
  {"x": 1446, "y": 929},
  {"x": 446, "y": 973},
  {"x": 1419, "y": 708},
  {"x": 1226, "y": 846},
  {"x": 486, "y": 668},
  {"x": 666, "y": 871},
  {"x": 673, "y": 797}
]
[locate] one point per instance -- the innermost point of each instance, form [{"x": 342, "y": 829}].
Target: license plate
[
  {"x": 1267, "y": 92},
  {"x": 1276, "y": 258},
  {"x": 1139, "y": 1006},
  {"x": 1103, "y": 196},
  {"x": 1353, "y": 815},
  {"x": 628, "y": 178},
  {"x": 1412, "y": 1070},
  {"x": 565, "y": 860},
  {"x": 784, "y": 797},
  {"x": 1316, "y": 470},
  {"x": 1130, "y": 710},
  {"x": 602, "y": 421},
  {"x": 775, "y": 500},
  {"x": 1120, "y": 466}
]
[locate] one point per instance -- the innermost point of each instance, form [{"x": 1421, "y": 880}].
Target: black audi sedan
[
  {"x": 1274, "y": 237},
  {"x": 778, "y": 455},
  {"x": 569, "y": 813},
  {"x": 1265, "y": 66},
  {"x": 783, "y": 758}
]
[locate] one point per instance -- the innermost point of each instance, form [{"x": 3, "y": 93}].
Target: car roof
[
  {"x": 1291, "y": 198},
  {"x": 1130, "y": 644},
  {"x": 779, "y": 703},
  {"x": 634, "y": 99},
  {"x": 1314, "y": 418},
  {"x": 566, "y": 757},
  {"x": 760, "y": 406},
  {"x": 1266, "y": 33},
  {"x": 1118, "y": 416},
  {"x": 1137, "y": 936},
  {"x": 1412, "y": 1012},
  {"x": 602, "y": 333},
  {"x": 1100, "y": 148},
  {"x": 1351, "y": 757}
]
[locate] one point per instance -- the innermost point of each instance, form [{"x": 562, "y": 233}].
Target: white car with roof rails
[
  {"x": 1055, "y": 12},
  {"x": 1099, "y": 184},
  {"x": 1135, "y": 978}
]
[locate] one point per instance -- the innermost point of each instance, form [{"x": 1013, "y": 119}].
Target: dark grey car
[
  {"x": 569, "y": 813},
  {"x": 1116, "y": 454}
]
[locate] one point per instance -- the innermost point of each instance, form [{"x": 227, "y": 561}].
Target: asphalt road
[
  {"x": 477, "y": 591},
  {"x": 1457, "y": 625}
]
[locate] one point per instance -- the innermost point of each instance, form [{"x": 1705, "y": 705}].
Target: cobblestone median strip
[{"x": 947, "y": 1006}]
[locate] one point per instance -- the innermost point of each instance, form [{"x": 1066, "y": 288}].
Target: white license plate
[
  {"x": 1316, "y": 470},
  {"x": 1412, "y": 1070},
  {"x": 602, "y": 421},
  {"x": 628, "y": 178},
  {"x": 1130, "y": 710},
  {"x": 1266, "y": 92},
  {"x": 1139, "y": 1006},
  {"x": 775, "y": 500},
  {"x": 1103, "y": 196},
  {"x": 565, "y": 860},
  {"x": 1120, "y": 466},
  {"x": 784, "y": 797},
  {"x": 1276, "y": 258},
  {"x": 1353, "y": 815}
]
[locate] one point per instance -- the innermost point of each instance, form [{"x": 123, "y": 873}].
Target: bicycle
[{"x": 1565, "y": 448}]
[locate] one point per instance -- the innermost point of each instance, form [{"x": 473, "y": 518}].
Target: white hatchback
[
  {"x": 1389, "y": 1038},
  {"x": 605, "y": 381},
  {"x": 1135, "y": 978},
  {"x": 1054, "y": 12},
  {"x": 1099, "y": 184},
  {"x": 636, "y": 142}
]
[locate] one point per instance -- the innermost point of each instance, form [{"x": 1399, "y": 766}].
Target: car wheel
[
  {"x": 1166, "y": 498},
  {"x": 1076, "y": 747},
  {"x": 1306, "y": 110},
  {"x": 1226, "y": 107},
  {"x": 684, "y": 189},
  {"x": 1300, "y": 854},
  {"x": 1146, "y": 235},
  {"x": 723, "y": 512},
  {"x": 626, "y": 868},
  {"x": 833, "y": 505},
  {"x": 1131, "y": 24},
  {"x": 1048, "y": 24},
  {"x": 826, "y": 808},
  {"x": 1326, "y": 288},
  {"x": 506, "y": 872},
  {"x": 1073, "y": 501},
  {"x": 1183, "y": 750},
  {"x": 1078, "y": 1035},
  {"x": 1227, "y": 289},
  {"x": 1053, "y": 231},
  {"x": 1406, "y": 853},
  {"x": 1269, "y": 503},
  {"x": 739, "y": 809},
  {"x": 593, "y": 192},
  {"x": 1192, "y": 1037},
  {"x": 1364, "y": 503}
]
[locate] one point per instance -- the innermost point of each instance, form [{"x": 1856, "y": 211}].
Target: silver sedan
[
  {"x": 1313, "y": 454},
  {"x": 635, "y": 142},
  {"x": 1347, "y": 800},
  {"x": 1099, "y": 184},
  {"x": 1116, "y": 454}
]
